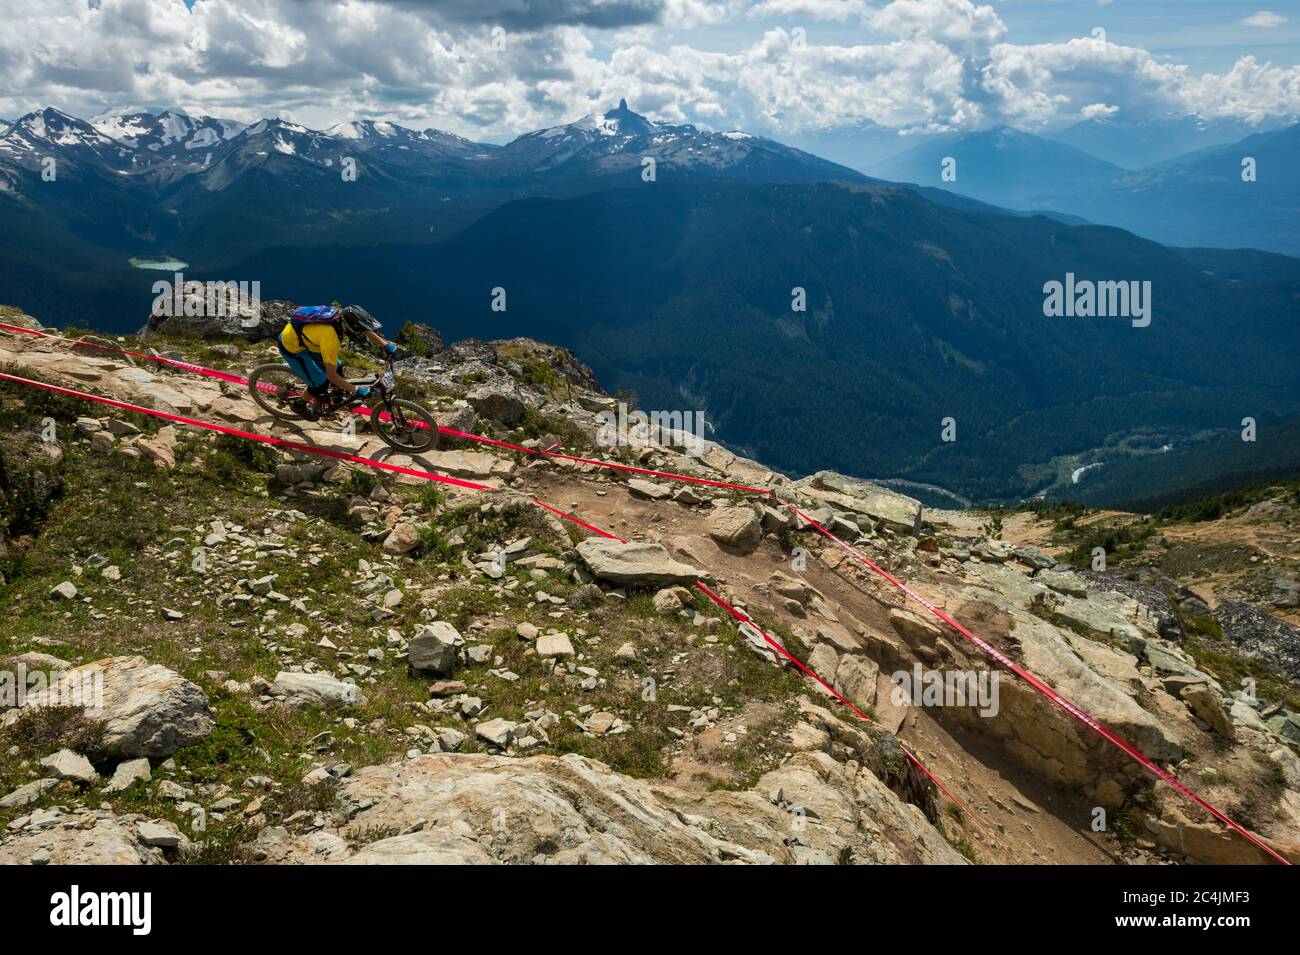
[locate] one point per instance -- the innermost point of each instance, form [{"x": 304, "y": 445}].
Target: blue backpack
[{"x": 314, "y": 315}]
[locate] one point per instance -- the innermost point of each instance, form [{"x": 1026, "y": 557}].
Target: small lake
[{"x": 161, "y": 265}]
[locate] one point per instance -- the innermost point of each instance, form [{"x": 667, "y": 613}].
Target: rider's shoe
[{"x": 307, "y": 409}]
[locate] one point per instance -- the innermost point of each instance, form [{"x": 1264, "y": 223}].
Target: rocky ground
[{"x": 311, "y": 661}]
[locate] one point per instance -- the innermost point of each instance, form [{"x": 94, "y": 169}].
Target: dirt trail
[{"x": 986, "y": 780}]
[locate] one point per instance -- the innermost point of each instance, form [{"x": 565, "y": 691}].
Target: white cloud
[
  {"x": 833, "y": 10},
  {"x": 933, "y": 64},
  {"x": 954, "y": 23},
  {"x": 1098, "y": 111},
  {"x": 1264, "y": 18}
]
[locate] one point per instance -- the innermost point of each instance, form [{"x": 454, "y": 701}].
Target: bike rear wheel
[
  {"x": 406, "y": 426},
  {"x": 277, "y": 390}
]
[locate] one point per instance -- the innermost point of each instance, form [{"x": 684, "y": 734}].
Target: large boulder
[
  {"x": 736, "y": 526},
  {"x": 634, "y": 563},
  {"x": 146, "y": 709},
  {"x": 318, "y": 689},
  {"x": 497, "y": 403}
]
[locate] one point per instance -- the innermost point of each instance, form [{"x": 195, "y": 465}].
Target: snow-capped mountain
[
  {"x": 407, "y": 147},
  {"x": 51, "y": 132},
  {"x": 168, "y": 131},
  {"x": 170, "y": 137},
  {"x": 164, "y": 145},
  {"x": 281, "y": 148},
  {"x": 167, "y": 146},
  {"x": 616, "y": 140}
]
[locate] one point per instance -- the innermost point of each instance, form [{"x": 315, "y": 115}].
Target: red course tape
[{"x": 1065, "y": 704}]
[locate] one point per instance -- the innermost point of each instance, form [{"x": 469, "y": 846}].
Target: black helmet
[{"x": 357, "y": 321}]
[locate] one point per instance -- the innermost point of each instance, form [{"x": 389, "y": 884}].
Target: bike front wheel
[{"x": 405, "y": 426}]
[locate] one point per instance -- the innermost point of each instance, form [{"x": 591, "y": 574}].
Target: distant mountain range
[
  {"x": 159, "y": 146},
  {"x": 1003, "y": 166},
  {"x": 1136, "y": 144},
  {"x": 674, "y": 278},
  {"x": 1198, "y": 199}
]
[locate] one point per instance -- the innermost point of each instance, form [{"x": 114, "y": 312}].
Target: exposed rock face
[
  {"x": 99, "y": 839},
  {"x": 148, "y": 710},
  {"x": 420, "y": 339},
  {"x": 267, "y": 321},
  {"x": 634, "y": 563},
  {"x": 572, "y": 809},
  {"x": 884, "y": 507},
  {"x": 1210, "y": 843},
  {"x": 1097, "y": 676}
]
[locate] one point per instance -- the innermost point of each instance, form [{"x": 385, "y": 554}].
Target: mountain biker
[{"x": 310, "y": 344}]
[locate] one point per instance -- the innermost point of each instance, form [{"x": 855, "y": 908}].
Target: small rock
[
  {"x": 601, "y": 723},
  {"x": 127, "y": 774},
  {"x": 65, "y": 764},
  {"x": 433, "y": 648},
  {"x": 554, "y": 645},
  {"x": 164, "y": 835},
  {"x": 401, "y": 539},
  {"x": 498, "y": 732}
]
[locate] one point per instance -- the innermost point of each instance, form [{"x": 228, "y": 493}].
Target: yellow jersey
[{"x": 321, "y": 339}]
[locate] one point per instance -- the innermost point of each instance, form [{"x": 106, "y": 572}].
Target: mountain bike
[{"x": 402, "y": 425}]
